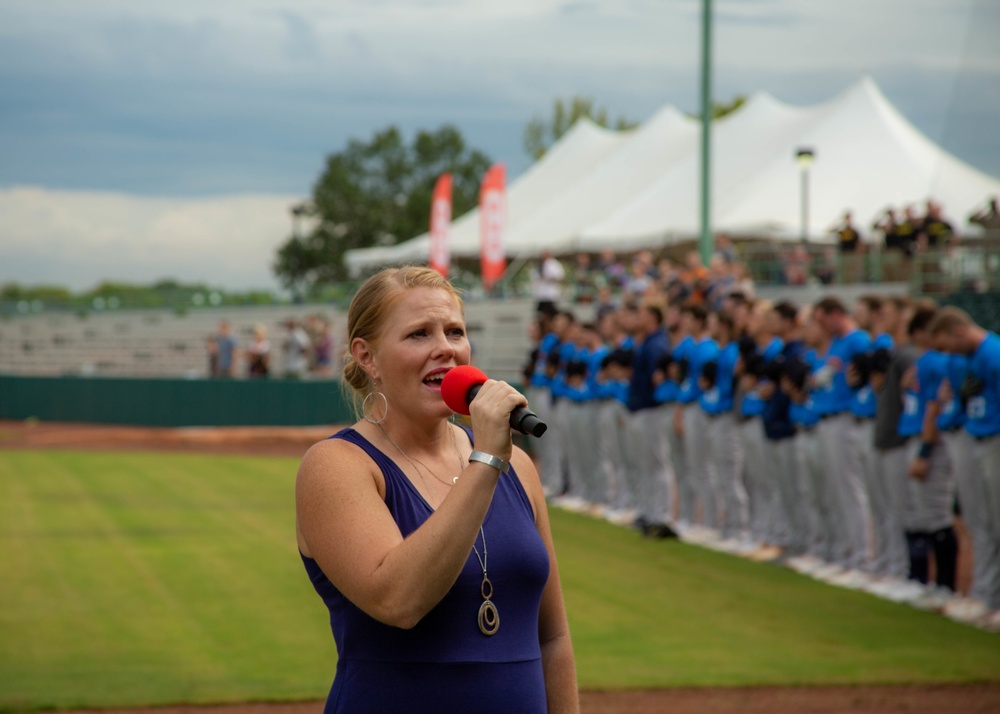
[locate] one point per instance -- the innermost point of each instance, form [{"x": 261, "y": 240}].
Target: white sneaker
[
  {"x": 966, "y": 610},
  {"x": 851, "y": 579},
  {"x": 935, "y": 599},
  {"x": 827, "y": 572},
  {"x": 908, "y": 591},
  {"x": 991, "y": 621}
]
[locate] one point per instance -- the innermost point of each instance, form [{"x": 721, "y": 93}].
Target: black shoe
[{"x": 659, "y": 531}]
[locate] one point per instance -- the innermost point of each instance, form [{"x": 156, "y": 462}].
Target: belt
[{"x": 983, "y": 437}]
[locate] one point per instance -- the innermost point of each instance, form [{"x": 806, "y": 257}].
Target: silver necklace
[
  {"x": 454, "y": 445},
  {"x": 489, "y": 617}
]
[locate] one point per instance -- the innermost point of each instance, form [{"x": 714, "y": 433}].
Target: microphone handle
[{"x": 522, "y": 419}]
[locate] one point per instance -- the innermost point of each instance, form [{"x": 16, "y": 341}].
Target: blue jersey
[
  {"x": 982, "y": 410},
  {"x": 568, "y": 352},
  {"x": 804, "y": 414},
  {"x": 751, "y": 404},
  {"x": 718, "y": 399},
  {"x": 833, "y": 395},
  {"x": 666, "y": 392},
  {"x": 538, "y": 376},
  {"x": 594, "y": 359},
  {"x": 681, "y": 353},
  {"x": 704, "y": 351},
  {"x": 883, "y": 341},
  {"x": 619, "y": 390},
  {"x": 931, "y": 369},
  {"x": 952, "y": 414},
  {"x": 863, "y": 401}
]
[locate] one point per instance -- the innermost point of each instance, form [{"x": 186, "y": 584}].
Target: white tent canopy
[
  {"x": 597, "y": 189},
  {"x": 576, "y": 154}
]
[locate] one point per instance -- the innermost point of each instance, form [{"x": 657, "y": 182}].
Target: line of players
[{"x": 838, "y": 441}]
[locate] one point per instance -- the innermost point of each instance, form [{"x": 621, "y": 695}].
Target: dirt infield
[{"x": 293, "y": 441}]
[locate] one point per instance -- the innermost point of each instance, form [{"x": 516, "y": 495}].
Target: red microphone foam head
[{"x": 456, "y": 385}]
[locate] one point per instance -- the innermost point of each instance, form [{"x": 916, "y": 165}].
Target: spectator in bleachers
[
  {"x": 547, "y": 283},
  {"x": 935, "y": 231},
  {"x": 323, "y": 347},
  {"x": 295, "y": 350},
  {"x": 796, "y": 265},
  {"x": 695, "y": 277},
  {"x": 989, "y": 219},
  {"x": 613, "y": 270},
  {"x": 259, "y": 354},
  {"x": 225, "y": 352},
  {"x": 584, "y": 279},
  {"x": 639, "y": 279},
  {"x": 848, "y": 237},
  {"x": 719, "y": 282},
  {"x": 724, "y": 247}
]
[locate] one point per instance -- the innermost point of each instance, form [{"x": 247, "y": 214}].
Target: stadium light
[
  {"x": 804, "y": 157},
  {"x": 298, "y": 211}
]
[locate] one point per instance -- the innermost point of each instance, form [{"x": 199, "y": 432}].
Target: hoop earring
[{"x": 365, "y": 410}]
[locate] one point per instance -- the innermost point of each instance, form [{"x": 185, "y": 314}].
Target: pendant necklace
[{"x": 489, "y": 617}]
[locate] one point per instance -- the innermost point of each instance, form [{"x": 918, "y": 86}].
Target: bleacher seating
[{"x": 152, "y": 343}]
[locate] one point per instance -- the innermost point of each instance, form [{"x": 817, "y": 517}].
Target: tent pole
[{"x": 705, "y": 244}]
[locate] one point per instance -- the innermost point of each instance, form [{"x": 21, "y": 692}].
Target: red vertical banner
[
  {"x": 440, "y": 253},
  {"x": 492, "y": 225}
]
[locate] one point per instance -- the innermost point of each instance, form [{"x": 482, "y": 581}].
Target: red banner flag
[
  {"x": 492, "y": 225},
  {"x": 440, "y": 255}
]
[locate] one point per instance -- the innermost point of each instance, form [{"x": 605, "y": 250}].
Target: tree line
[{"x": 378, "y": 192}]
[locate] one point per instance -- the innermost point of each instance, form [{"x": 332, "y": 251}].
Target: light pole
[
  {"x": 705, "y": 244},
  {"x": 298, "y": 211},
  {"x": 804, "y": 157}
]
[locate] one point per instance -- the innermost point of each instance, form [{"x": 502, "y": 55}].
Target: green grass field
[{"x": 131, "y": 579}]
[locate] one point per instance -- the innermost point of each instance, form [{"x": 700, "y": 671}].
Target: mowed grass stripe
[
  {"x": 169, "y": 582},
  {"x": 653, "y": 613},
  {"x": 153, "y": 579}
]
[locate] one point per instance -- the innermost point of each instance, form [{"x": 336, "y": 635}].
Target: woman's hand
[{"x": 490, "y": 413}]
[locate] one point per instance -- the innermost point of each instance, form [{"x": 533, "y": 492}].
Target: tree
[
  {"x": 540, "y": 134},
  {"x": 376, "y": 193},
  {"x": 721, "y": 109}
]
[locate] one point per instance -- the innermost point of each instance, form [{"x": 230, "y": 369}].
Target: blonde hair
[{"x": 371, "y": 307}]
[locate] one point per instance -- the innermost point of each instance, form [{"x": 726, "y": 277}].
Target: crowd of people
[
  {"x": 603, "y": 281},
  {"x": 841, "y": 440},
  {"x": 307, "y": 348}
]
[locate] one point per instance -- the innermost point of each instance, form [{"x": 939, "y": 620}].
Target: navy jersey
[{"x": 647, "y": 356}]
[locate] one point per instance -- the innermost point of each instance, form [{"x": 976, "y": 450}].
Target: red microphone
[{"x": 461, "y": 385}]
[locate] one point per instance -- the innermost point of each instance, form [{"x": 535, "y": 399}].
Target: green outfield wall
[{"x": 174, "y": 402}]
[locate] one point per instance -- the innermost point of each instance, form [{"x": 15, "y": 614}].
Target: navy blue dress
[{"x": 445, "y": 664}]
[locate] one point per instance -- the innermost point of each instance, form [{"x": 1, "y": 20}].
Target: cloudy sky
[{"x": 142, "y": 140}]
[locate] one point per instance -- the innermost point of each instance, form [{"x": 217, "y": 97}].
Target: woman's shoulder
[{"x": 339, "y": 453}]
